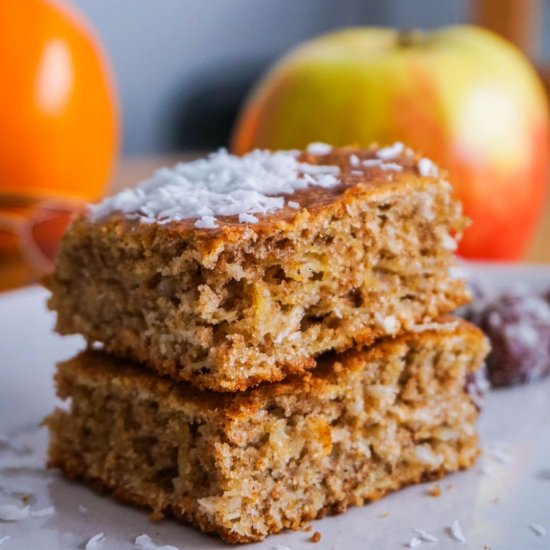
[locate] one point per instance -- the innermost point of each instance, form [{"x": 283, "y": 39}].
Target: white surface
[{"x": 494, "y": 510}]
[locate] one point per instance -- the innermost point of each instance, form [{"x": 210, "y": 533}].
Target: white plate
[{"x": 493, "y": 510}]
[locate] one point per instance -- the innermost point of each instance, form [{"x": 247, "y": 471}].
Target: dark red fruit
[{"x": 517, "y": 322}]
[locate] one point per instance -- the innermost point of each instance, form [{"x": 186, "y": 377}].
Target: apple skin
[{"x": 462, "y": 96}]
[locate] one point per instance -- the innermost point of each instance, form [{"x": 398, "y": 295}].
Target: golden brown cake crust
[
  {"x": 229, "y": 308},
  {"x": 274, "y": 457}
]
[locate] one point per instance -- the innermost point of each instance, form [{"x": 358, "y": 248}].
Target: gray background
[{"x": 183, "y": 66}]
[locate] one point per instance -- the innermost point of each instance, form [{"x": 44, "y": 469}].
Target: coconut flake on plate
[
  {"x": 10, "y": 512},
  {"x": 486, "y": 470},
  {"x": 96, "y": 542},
  {"x": 424, "y": 536},
  {"x": 456, "y": 531},
  {"x": 144, "y": 542},
  {"x": 501, "y": 456},
  {"x": 43, "y": 512},
  {"x": 219, "y": 185},
  {"x": 538, "y": 529}
]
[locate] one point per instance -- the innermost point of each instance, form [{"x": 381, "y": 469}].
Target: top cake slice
[{"x": 229, "y": 271}]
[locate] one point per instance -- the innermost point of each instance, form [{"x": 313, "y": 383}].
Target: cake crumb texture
[
  {"x": 231, "y": 307},
  {"x": 275, "y": 457}
]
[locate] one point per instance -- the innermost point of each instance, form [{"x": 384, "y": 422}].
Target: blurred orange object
[
  {"x": 58, "y": 117},
  {"x": 461, "y": 95},
  {"x": 58, "y": 124}
]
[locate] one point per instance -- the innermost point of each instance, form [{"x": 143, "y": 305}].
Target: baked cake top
[{"x": 225, "y": 189}]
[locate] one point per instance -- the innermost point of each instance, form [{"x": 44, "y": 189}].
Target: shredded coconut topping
[
  {"x": 415, "y": 542},
  {"x": 144, "y": 542},
  {"x": 319, "y": 148},
  {"x": 369, "y": 163},
  {"x": 219, "y": 185},
  {"x": 391, "y": 152},
  {"x": 392, "y": 166},
  {"x": 96, "y": 542},
  {"x": 9, "y": 512},
  {"x": 427, "y": 168},
  {"x": 4, "y": 539}
]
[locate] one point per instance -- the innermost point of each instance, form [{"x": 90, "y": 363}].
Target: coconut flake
[
  {"x": 391, "y": 152},
  {"x": 456, "y": 531},
  {"x": 425, "y": 455},
  {"x": 423, "y": 327},
  {"x": 206, "y": 222},
  {"x": 486, "y": 470},
  {"x": 538, "y": 529},
  {"x": 319, "y": 148},
  {"x": 4, "y": 539},
  {"x": 370, "y": 163},
  {"x": 393, "y": 166},
  {"x": 219, "y": 185},
  {"x": 247, "y": 218},
  {"x": 96, "y": 542},
  {"x": 458, "y": 272},
  {"x": 43, "y": 512},
  {"x": 447, "y": 242},
  {"x": 293, "y": 204},
  {"x": 426, "y": 537},
  {"x": 144, "y": 542},
  {"x": 501, "y": 456},
  {"x": 354, "y": 160},
  {"x": 9, "y": 512},
  {"x": 427, "y": 168}
]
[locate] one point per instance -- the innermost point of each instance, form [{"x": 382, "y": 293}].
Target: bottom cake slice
[{"x": 245, "y": 465}]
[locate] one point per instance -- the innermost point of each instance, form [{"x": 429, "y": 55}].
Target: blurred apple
[{"x": 461, "y": 95}]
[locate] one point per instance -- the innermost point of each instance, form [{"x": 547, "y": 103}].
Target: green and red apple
[{"x": 461, "y": 95}]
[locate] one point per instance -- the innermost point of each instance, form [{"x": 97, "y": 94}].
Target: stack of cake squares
[{"x": 269, "y": 338}]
